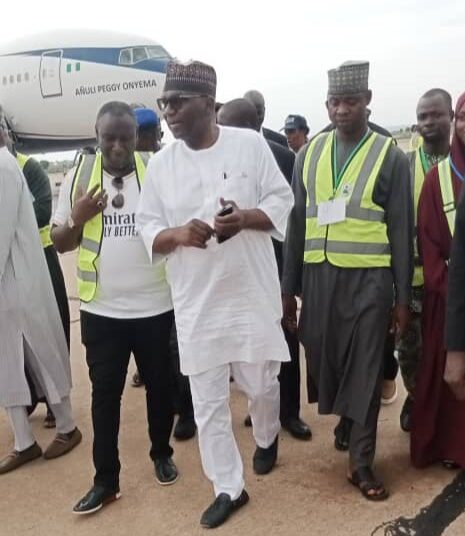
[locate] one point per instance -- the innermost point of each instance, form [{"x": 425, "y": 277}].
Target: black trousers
[
  {"x": 109, "y": 343},
  {"x": 289, "y": 379},
  {"x": 391, "y": 367}
]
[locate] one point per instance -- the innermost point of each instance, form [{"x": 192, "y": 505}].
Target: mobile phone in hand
[{"x": 225, "y": 211}]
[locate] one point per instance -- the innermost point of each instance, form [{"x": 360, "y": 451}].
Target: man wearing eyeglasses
[
  {"x": 210, "y": 205},
  {"x": 125, "y": 301}
]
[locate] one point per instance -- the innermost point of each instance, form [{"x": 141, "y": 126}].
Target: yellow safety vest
[
  {"x": 360, "y": 241},
  {"x": 89, "y": 174},
  {"x": 447, "y": 193},
  {"x": 45, "y": 230}
]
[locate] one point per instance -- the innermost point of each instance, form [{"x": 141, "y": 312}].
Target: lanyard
[
  {"x": 337, "y": 177},
  {"x": 424, "y": 161},
  {"x": 456, "y": 171}
]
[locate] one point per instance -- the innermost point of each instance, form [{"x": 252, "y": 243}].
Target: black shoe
[
  {"x": 95, "y": 499},
  {"x": 185, "y": 428},
  {"x": 265, "y": 459},
  {"x": 166, "y": 472},
  {"x": 342, "y": 434},
  {"x": 405, "y": 414},
  {"x": 297, "y": 428},
  {"x": 221, "y": 508},
  {"x": 248, "y": 421}
]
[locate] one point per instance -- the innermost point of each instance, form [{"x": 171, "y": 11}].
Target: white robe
[
  {"x": 30, "y": 326},
  {"x": 227, "y": 298}
]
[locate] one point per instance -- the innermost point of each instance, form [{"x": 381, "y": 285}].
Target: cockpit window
[
  {"x": 139, "y": 54},
  {"x": 157, "y": 52},
  {"x": 130, "y": 56},
  {"x": 125, "y": 56}
]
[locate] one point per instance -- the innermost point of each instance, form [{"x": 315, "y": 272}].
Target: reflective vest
[
  {"x": 45, "y": 230},
  {"x": 417, "y": 176},
  {"x": 89, "y": 174},
  {"x": 361, "y": 240},
  {"x": 447, "y": 193}
]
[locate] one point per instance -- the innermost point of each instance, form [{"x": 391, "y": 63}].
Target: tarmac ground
[{"x": 306, "y": 494}]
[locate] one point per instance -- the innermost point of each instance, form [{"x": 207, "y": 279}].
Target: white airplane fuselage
[{"x": 52, "y": 86}]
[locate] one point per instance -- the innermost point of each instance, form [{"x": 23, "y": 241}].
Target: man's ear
[{"x": 369, "y": 96}]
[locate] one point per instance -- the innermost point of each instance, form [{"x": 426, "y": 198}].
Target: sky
[{"x": 284, "y": 49}]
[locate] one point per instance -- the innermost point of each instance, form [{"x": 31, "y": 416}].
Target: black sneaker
[
  {"x": 265, "y": 459},
  {"x": 405, "y": 414},
  {"x": 221, "y": 508},
  {"x": 185, "y": 428},
  {"x": 95, "y": 499},
  {"x": 166, "y": 472}
]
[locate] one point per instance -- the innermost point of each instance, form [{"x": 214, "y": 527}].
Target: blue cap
[
  {"x": 295, "y": 122},
  {"x": 146, "y": 118}
]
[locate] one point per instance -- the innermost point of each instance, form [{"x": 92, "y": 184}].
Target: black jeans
[
  {"x": 109, "y": 343},
  {"x": 182, "y": 389},
  {"x": 289, "y": 379}
]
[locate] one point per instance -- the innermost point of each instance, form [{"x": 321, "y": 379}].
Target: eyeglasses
[
  {"x": 176, "y": 102},
  {"x": 118, "y": 200}
]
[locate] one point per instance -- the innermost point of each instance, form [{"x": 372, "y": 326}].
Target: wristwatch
[{"x": 71, "y": 223}]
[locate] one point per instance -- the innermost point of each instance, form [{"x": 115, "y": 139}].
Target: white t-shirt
[
  {"x": 227, "y": 298},
  {"x": 128, "y": 285}
]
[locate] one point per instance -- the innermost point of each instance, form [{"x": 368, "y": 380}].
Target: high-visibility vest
[
  {"x": 89, "y": 174},
  {"x": 44, "y": 231},
  {"x": 447, "y": 193},
  {"x": 417, "y": 176},
  {"x": 361, "y": 240}
]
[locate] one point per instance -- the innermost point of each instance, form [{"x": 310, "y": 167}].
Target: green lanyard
[
  {"x": 424, "y": 161},
  {"x": 337, "y": 177}
]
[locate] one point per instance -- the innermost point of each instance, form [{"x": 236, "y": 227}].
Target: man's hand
[
  {"x": 232, "y": 224},
  {"x": 194, "y": 234},
  {"x": 400, "y": 320},
  {"x": 454, "y": 374},
  {"x": 88, "y": 205},
  {"x": 290, "y": 313}
]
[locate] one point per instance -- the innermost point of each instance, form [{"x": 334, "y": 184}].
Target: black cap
[{"x": 295, "y": 122}]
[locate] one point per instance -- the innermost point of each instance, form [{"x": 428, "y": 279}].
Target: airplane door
[{"x": 50, "y": 74}]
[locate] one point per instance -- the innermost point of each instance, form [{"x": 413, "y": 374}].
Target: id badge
[{"x": 333, "y": 211}]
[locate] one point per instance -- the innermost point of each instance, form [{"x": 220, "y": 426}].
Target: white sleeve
[
  {"x": 63, "y": 210},
  {"x": 11, "y": 187},
  {"x": 275, "y": 197},
  {"x": 150, "y": 215}
]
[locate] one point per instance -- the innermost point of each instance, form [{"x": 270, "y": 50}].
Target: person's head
[
  {"x": 149, "y": 132},
  {"x": 459, "y": 126},
  {"x": 116, "y": 131},
  {"x": 349, "y": 96},
  {"x": 434, "y": 116},
  {"x": 188, "y": 100},
  {"x": 296, "y": 130},
  {"x": 238, "y": 113},
  {"x": 257, "y": 99}
]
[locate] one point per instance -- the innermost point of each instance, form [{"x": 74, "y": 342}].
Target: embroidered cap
[
  {"x": 193, "y": 77},
  {"x": 349, "y": 78}
]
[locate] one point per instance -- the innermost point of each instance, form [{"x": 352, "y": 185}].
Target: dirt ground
[{"x": 306, "y": 494}]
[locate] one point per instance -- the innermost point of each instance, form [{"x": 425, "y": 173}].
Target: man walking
[{"x": 210, "y": 205}]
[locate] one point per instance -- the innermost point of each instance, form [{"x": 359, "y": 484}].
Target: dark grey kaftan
[{"x": 345, "y": 311}]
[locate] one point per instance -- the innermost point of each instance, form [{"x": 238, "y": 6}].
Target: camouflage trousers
[{"x": 409, "y": 346}]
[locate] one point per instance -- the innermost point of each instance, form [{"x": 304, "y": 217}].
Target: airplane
[{"x": 53, "y": 84}]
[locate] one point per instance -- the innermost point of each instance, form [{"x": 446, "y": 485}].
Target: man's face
[
  {"x": 348, "y": 112},
  {"x": 187, "y": 115},
  {"x": 460, "y": 124},
  {"x": 295, "y": 138},
  {"x": 434, "y": 118},
  {"x": 116, "y": 136}
]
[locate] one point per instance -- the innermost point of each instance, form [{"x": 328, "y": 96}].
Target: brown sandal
[{"x": 364, "y": 479}]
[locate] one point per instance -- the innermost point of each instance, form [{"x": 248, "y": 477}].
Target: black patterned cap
[
  {"x": 349, "y": 78},
  {"x": 193, "y": 77}
]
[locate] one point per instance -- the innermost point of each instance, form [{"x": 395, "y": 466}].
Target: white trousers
[
  {"x": 220, "y": 456},
  {"x": 22, "y": 429}
]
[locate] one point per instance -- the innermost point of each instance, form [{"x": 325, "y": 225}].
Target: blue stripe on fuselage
[{"x": 106, "y": 56}]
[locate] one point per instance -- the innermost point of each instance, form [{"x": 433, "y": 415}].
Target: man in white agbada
[
  {"x": 31, "y": 332},
  {"x": 222, "y": 272}
]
